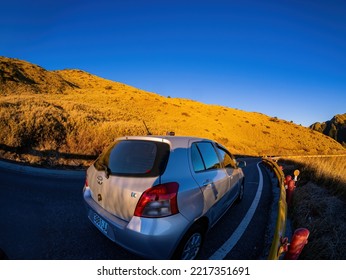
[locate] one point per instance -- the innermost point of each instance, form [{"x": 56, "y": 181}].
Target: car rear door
[{"x": 210, "y": 176}]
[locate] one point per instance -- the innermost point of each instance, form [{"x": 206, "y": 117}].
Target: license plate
[{"x": 100, "y": 223}]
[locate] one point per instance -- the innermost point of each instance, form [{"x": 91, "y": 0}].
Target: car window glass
[
  {"x": 135, "y": 158},
  {"x": 196, "y": 158},
  {"x": 210, "y": 158},
  {"x": 227, "y": 160}
]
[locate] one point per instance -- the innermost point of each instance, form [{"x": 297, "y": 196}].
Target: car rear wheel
[{"x": 191, "y": 243}]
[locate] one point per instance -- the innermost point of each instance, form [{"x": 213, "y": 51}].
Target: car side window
[
  {"x": 197, "y": 161},
  {"x": 227, "y": 160},
  {"x": 204, "y": 157}
]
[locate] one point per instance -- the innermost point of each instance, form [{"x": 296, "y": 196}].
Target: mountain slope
[
  {"x": 18, "y": 77},
  {"x": 334, "y": 128},
  {"x": 74, "y": 112}
]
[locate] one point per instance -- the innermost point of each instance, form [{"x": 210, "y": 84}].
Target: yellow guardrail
[{"x": 280, "y": 228}]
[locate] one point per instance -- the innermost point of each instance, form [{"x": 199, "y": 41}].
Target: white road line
[{"x": 234, "y": 238}]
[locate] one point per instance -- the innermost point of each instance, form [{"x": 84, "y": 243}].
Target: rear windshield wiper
[{"x": 107, "y": 170}]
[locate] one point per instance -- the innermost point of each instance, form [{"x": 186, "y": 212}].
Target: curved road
[{"x": 42, "y": 216}]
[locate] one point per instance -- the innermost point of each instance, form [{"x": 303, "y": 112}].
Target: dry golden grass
[
  {"x": 79, "y": 113},
  {"x": 327, "y": 171}
]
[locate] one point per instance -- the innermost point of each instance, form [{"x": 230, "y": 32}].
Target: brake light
[{"x": 158, "y": 201}]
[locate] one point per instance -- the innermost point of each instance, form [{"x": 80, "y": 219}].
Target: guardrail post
[
  {"x": 299, "y": 240},
  {"x": 289, "y": 191},
  {"x": 287, "y": 179}
]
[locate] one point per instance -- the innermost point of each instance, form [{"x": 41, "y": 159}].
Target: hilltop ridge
[
  {"x": 72, "y": 112},
  {"x": 334, "y": 128}
]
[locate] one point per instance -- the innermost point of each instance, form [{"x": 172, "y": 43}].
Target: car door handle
[{"x": 206, "y": 183}]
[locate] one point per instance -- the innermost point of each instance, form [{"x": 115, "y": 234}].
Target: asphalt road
[{"x": 42, "y": 217}]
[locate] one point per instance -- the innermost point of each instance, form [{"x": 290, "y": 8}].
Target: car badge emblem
[
  {"x": 133, "y": 194},
  {"x": 99, "y": 180}
]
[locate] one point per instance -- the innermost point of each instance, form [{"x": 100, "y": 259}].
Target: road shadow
[
  {"x": 3, "y": 256},
  {"x": 46, "y": 153},
  {"x": 45, "y": 158}
]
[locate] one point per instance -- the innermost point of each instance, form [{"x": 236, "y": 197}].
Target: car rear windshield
[{"x": 136, "y": 158}]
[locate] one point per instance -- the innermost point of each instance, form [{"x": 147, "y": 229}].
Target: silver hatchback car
[{"x": 157, "y": 196}]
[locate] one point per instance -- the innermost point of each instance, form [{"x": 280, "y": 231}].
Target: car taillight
[
  {"x": 86, "y": 184},
  {"x": 158, "y": 201}
]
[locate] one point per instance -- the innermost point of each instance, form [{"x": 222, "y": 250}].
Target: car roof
[{"x": 173, "y": 141}]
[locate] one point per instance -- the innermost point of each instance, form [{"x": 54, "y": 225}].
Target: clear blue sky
[{"x": 281, "y": 58}]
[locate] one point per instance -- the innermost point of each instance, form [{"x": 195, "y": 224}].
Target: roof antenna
[{"x": 148, "y": 131}]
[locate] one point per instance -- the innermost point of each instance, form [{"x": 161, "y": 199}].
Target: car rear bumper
[{"x": 152, "y": 238}]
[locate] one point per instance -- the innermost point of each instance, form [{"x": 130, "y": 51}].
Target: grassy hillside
[{"x": 75, "y": 113}]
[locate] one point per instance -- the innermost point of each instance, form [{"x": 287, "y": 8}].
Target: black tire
[
  {"x": 191, "y": 244},
  {"x": 241, "y": 191}
]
